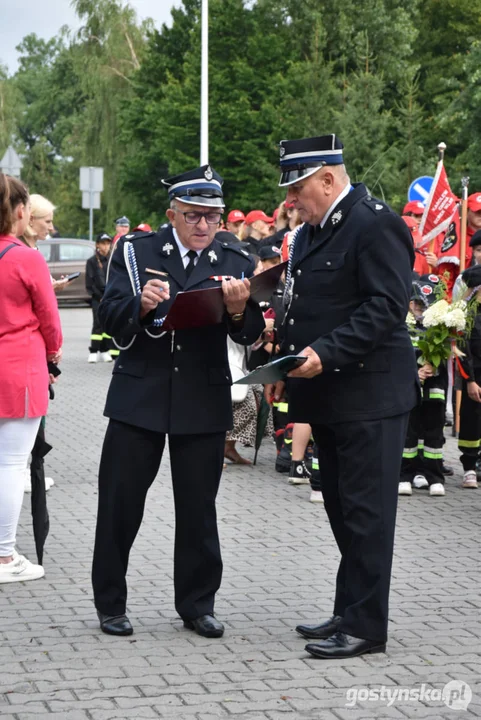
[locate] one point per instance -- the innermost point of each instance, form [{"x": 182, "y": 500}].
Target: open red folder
[{"x": 198, "y": 308}]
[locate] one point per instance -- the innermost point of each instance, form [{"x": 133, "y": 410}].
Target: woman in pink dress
[{"x": 30, "y": 335}]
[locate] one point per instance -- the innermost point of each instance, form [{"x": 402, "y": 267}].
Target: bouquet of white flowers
[{"x": 444, "y": 326}]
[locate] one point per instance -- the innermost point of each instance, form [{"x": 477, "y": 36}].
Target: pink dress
[{"x": 29, "y": 329}]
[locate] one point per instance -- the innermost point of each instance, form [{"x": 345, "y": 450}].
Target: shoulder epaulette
[
  {"x": 139, "y": 234},
  {"x": 235, "y": 248}
]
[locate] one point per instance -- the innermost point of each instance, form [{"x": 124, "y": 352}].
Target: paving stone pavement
[{"x": 280, "y": 560}]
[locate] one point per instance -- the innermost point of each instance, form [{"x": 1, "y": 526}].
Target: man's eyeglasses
[{"x": 192, "y": 217}]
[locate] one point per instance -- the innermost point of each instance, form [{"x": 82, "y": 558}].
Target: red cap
[
  {"x": 413, "y": 206},
  {"x": 143, "y": 227},
  {"x": 413, "y": 226},
  {"x": 257, "y": 215},
  {"x": 474, "y": 202},
  {"x": 236, "y": 216}
]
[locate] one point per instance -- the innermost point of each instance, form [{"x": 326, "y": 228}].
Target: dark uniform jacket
[
  {"x": 178, "y": 383},
  {"x": 352, "y": 284},
  {"x": 471, "y": 362},
  {"x": 96, "y": 275}
]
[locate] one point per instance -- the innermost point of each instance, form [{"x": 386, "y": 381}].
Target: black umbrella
[{"x": 40, "y": 520}]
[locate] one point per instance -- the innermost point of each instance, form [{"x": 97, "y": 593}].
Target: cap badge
[
  {"x": 212, "y": 256},
  {"x": 378, "y": 207},
  {"x": 337, "y": 217},
  {"x": 208, "y": 173},
  {"x": 426, "y": 290},
  {"x": 168, "y": 247},
  {"x": 282, "y": 151},
  {"x": 433, "y": 278}
]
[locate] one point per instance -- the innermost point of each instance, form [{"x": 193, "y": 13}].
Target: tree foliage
[{"x": 392, "y": 80}]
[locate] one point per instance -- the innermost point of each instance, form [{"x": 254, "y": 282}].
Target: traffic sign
[
  {"x": 91, "y": 185},
  {"x": 420, "y": 188},
  {"x": 11, "y": 164}
]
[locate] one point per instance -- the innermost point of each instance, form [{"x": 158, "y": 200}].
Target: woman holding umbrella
[{"x": 30, "y": 335}]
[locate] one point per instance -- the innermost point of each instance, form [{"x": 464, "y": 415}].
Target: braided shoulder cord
[{"x": 289, "y": 263}]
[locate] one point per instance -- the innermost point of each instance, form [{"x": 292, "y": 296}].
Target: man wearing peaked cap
[
  {"x": 175, "y": 384},
  {"x": 348, "y": 286}
]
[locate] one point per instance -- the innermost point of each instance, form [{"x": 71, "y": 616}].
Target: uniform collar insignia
[
  {"x": 378, "y": 207},
  {"x": 212, "y": 257},
  {"x": 208, "y": 173},
  {"x": 336, "y": 217},
  {"x": 167, "y": 248}
]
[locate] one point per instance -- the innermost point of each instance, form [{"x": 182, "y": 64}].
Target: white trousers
[{"x": 17, "y": 438}]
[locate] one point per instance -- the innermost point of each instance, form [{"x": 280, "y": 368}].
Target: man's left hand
[
  {"x": 311, "y": 368},
  {"x": 236, "y": 293}
]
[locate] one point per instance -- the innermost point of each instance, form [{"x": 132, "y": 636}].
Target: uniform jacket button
[
  {"x": 298, "y": 272},
  {"x": 361, "y": 365},
  {"x": 292, "y": 348},
  {"x": 291, "y": 321},
  {"x": 328, "y": 262},
  {"x": 176, "y": 369},
  {"x": 178, "y": 347},
  {"x": 296, "y": 296}
]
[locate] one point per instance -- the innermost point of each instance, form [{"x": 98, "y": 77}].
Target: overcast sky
[{"x": 45, "y": 17}]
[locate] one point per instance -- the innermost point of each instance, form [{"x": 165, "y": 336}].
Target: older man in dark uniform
[
  {"x": 348, "y": 285},
  {"x": 175, "y": 384}
]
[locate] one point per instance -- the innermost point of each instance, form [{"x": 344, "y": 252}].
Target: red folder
[{"x": 198, "y": 308}]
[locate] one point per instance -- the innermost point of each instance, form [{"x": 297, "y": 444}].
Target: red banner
[{"x": 440, "y": 207}]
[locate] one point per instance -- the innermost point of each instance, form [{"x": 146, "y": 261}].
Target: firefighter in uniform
[
  {"x": 175, "y": 384},
  {"x": 349, "y": 284},
  {"x": 422, "y": 463},
  {"x": 95, "y": 279}
]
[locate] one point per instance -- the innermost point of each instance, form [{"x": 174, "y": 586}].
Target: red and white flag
[{"x": 440, "y": 207}]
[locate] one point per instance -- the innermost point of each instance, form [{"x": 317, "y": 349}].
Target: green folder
[{"x": 272, "y": 372}]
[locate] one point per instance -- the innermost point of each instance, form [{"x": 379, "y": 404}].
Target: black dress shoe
[
  {"x": 206, "y": 625},
  {"x": 322, "y": 631},
  {"x": 341, "y": 645},
  {"x": 115, "y": 624},
  {"x": 447, "y": 470}
]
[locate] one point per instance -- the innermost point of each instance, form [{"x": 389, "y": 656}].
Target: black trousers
[
  {"x": 469, "y": 429},
  {"x": 129, "y": 463},
  {"x": 99, "y": 342},
  {"x": 426, "y": 423},
  {"x": 360, "y": 464}
]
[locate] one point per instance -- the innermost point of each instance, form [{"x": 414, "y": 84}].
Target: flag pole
[
  {"x": 462, "y": 266},
  {"x": 441, "y": 150},
  {"x": 204, "y": 91}
]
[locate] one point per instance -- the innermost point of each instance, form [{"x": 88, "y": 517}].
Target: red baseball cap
[
  {"x": 413, "y": 206},
  {"x": 236, "y": 216},
  {"x": 257, "y": 215},
  {"x": 474, "y": 202},
  {"x": 413, "y": 226},
  {"x": 142, "y": 227}
]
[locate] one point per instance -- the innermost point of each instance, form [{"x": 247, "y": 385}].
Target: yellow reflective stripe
[
  {"x": 420, "y": 444},
  {"x": 281, "y": 406},
  {"x": 410, "y": 455},
  {"x": 96, "y": 337},
  {"x": 433, "y": 456},
  {"x": 315, "y": 464},
  {"x": 107, "y": 337},
  {"x": 287, "y": 442},
  {"x": 437, "y": 396},
  {"x": 114, "y": 353},
  {"x": 469, "y": 443}
]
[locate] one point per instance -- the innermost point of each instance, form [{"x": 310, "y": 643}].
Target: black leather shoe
[
  {"x": 341, "y": 645},
  {"x": 206, "y": 625},
  {"x": 447, "y": 470},
  {"x": 115, "y": 624},
  {"x": 322, "y": 631}
]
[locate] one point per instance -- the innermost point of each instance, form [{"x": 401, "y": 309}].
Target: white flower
[
  {"x": 410, "y": 319},
  {"x": 435, "y": 314},
  {"x": 456, "y": 319}
]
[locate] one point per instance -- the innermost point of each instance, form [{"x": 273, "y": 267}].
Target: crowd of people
[{"x": 359, "y": 414}]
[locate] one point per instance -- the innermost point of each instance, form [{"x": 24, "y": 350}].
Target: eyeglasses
[{"x": 193, "y": 218}]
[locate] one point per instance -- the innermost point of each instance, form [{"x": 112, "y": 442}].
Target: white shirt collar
[
  {"x": 182, "y": 249},
  {"x": 336, "y": 202}
]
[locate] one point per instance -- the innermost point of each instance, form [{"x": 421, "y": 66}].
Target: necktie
[{"x": 191, "y": 264}]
